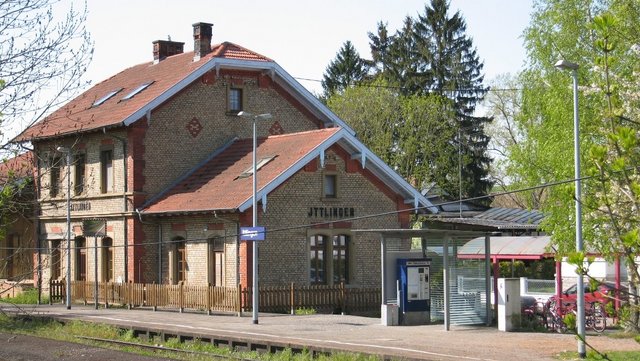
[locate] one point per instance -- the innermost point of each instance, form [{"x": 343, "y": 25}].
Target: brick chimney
[
  {"x": 201, "y": 40},
  {"x": 164, "y": 48}
]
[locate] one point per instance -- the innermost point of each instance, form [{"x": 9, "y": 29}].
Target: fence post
[
  {"x": 106, "y": 295},
  {"x": 209, "y": 292},
  {"x": 239, "y": 300},
  {"x": 181, "y": 296},
  {"x": 129, "y": 294},
  {"x": 292, "y": 300},
  {"x": 344, "y": 303}
]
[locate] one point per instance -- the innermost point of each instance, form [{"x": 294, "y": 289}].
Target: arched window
[
  {"x": 340, "y": 260},
  {"x": 56, "y": 260},
  {"x": 216, "y": 261},
  {"x": 81, "y": 259},
  {"x": 179, "y": 264},
  {"x": 317, "y": 266},
  {"x": 107, "y": 259}
]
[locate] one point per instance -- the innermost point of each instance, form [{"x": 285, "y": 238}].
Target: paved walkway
[{"x": 336, "y": 332}]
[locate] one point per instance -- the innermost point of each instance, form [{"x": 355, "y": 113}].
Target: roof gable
[
  {"x": 217, "y": 185},
  {"x": 167, "y": 78}
]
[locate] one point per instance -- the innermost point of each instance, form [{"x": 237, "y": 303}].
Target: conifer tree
[
  {"x": 448, "y": 65},
  {"x": 346, "y": 69}
]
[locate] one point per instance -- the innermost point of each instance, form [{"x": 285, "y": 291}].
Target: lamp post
[
  {"x": 255, "y": 118},
  {"x": 67, "y": 151},
  {"x": 566, "y": 65}
]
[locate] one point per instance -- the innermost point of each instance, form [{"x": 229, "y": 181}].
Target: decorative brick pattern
[
  {"x": 194, "y": 127},
  {"x": 276, "y": 128}
]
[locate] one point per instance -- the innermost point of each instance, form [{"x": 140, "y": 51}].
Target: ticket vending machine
[{"x": 413, "y": 286}]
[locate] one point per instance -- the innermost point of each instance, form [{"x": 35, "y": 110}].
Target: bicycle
[
  {"x": 554, "y": 317},
  {"x": 595, "y": 317}
]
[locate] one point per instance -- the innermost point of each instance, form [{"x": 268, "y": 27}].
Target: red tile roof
[
  {"x": 19, "y": 166},
  {"x": 80, "y": 115},
  {"x": 216, "y": 185}
]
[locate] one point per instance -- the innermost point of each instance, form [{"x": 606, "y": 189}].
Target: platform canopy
[{"x": 520, "y": 247}]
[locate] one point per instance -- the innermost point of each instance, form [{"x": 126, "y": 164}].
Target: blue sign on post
[{"x": 252, "y": 233}]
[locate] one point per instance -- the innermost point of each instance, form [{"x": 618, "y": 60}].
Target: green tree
[
  {"x": 380, "y": 44},
  {"x": 408, "y": 132},
  {"x": 400, "y": 66},
  {"x": 601, "y": 36},
  {"x": 449, "y": 66},
  {"x": 432, "y": 55},
  {"x": 346, "y": 69}
]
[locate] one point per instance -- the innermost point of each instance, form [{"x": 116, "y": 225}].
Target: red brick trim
[
  {"x": 107, "y": 141},
  {"x": 215, "y": 226},
  {"x": 176, "y": 227},
  {"x": 312, "y": 166},
  {"x": 208, "y": 78},
  {"x": 245, "y": 264},
  {"x": 136, "y": 160},
  {"x": 342, "y": 225},
  {"x": 353, "y": 165},
  {"x": 264, "y": 81}
]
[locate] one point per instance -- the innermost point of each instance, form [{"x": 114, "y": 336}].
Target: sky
[{"x": 301, "y": 36}]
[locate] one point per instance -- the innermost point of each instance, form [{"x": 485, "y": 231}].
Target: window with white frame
[
  {"x": 329, "y": 258},
  {"x": 317, "y": 265},
  {"x": 106, "y": 170},
  {"x": 235, "y": 99},
  {"x": 80, "y": 166},
  {"x": 107, "y": 259}
]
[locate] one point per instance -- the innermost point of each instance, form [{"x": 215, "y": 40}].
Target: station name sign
[
  {"x": 252, "y": 233},
  {"x": 331, "y": 212},
  {"x": 80, "y": 206}
]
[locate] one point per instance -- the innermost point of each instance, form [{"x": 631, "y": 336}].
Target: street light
[
  {"x": 67, "y": 151},
  {"x": 567, "y": 65},
  {"x": 255, "y": 118}
]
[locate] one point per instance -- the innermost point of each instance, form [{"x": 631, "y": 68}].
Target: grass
[
  {"x": 610, "y": 356},
  {"x": 305, "y": 311},
  {"x": 49, "y": 328},
  {"x": 28, "y": 297}
]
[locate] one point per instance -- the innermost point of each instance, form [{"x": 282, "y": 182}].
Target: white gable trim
[
  {"x": 376, "y": 165},
  {"x": 217, "y": 63}
]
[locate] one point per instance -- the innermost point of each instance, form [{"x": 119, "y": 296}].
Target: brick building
[
  {"x": 161, "y": 156},
  {"x": 16, "y": 222}
]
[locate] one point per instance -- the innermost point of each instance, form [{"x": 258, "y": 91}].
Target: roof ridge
[
  {"x": 227, "y": 43},
  {"x": 321, "y": 130}
]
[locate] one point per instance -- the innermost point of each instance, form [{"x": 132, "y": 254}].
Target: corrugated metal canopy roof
[
  {"x": 497, "y": 219},
  {"x": 516, "y": 215},
  {"x": 522, "y": 247}
]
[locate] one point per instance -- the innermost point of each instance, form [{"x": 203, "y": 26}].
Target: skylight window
[
  {"x": 137, "y": 90},
  {"x": 263, "y": 161},
  {"x": 106, "y": 97}
]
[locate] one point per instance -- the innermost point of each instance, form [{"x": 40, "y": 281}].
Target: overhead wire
[{"x": 328, "y": 222}]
